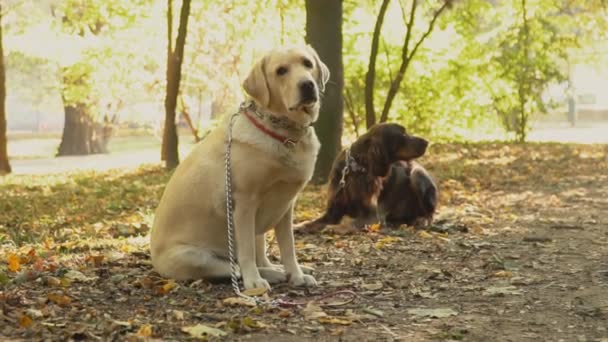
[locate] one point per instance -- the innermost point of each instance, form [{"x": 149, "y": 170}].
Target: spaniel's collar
[{"x": 268, "y": 123}]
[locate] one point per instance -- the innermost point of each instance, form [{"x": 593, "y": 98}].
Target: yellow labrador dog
[{"x": 273, "y": 154}]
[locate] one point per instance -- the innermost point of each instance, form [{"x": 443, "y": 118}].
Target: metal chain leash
[{"x": 230, "y": 214}]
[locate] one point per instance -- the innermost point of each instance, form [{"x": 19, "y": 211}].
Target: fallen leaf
[
  {"x": 25, "y": 321},
  {"x": 167, "y": 287},
  {"x": 374, "y": 312},
  {"x": 59, "y": 299},
  {"x": 96, "y": 260},
  {"x": 233, "y": 301},
  {"x": 34, "y": 313},
  {"x": 502, "y": 291},
  {"x": 372, "y": 286},
  {"x": 424, "y": 234},
  {"x": 503, "y": 274},
  {"x": 74, "y": 275},
  {"x": 252, "y": 323},
  {"x": 201, "y": 331},
  {"x": 178, "y": 315},
  {"x": 145, "y": 330},
  {"x": 14, "y": 264},
  {"x": 334, "y": 320},
  {"x": 433, "y": 313},
  {"x": 258, "y": 291},
  {"x": 3, "y": 278},
  {"x": 374, "y": 227},
  {"x": 388, "y": 240},
  {"x": 122, "y": 323},
  {"x": 313, "y": 311}
]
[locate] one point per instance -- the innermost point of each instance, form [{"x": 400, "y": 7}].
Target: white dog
[{"x": 273, "y": 154}]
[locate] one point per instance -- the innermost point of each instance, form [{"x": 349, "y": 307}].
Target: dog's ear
[
  {"x": 377, "y": 158},
  {"x": 323, "y": 71},
  {"x": 256, "y": 83}
]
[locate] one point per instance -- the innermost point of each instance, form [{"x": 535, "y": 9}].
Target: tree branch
[
  {"x": 407, "y": 57},
  {"x": 370, "y": 76}
]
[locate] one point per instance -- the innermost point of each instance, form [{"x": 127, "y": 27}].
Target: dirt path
[{"x": 522, "y": 257}]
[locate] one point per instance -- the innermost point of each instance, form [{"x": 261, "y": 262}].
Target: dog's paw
[
  {"x": 307, "y": 270},
  {"x": 303, "y": 280},
  {"x": 273, "y": 274},
  {"x": 256, "y": 283}
]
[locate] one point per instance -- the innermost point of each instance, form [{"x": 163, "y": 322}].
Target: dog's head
[
  {"x": 387, "y": 143},
  {"x": 289, "y": 81}
]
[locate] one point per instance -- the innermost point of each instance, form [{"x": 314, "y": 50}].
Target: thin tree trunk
[
  {"x": 5, "y": 166},
  {"x": 522, "y": 125},
  {"x": 370, "y": 76},
  {"x": 188, "y": 118},
  {"x": 174, "y": 69},
  {"x": 324, "y": 33},
  {"x": 163, "y": 152},
  {"x": 406, "y": 55}
]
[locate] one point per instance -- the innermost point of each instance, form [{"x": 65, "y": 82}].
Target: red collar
[{"x": 283, "y": 140}]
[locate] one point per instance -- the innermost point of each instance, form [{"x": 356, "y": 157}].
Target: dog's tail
[
  {"x": 331, "y": 216},
  {"x": 425, "y": 188}
]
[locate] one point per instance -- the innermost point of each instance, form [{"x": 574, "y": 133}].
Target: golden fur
[{"x": 189, "y": 237}]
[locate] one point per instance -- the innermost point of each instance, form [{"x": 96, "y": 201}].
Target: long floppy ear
[
  {"x": 256, "y": 84},
  {"x": 377, "y": 158},
  {"x": 322, "y": 68}
]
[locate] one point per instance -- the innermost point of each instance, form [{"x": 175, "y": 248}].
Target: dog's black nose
[{"x": 307, "y": 91}]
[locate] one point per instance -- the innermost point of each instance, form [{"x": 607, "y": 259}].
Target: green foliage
[{"x": 471, "y": 74}]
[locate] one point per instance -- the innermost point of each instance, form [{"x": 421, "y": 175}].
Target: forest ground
[{"x": 518, "y": 253}]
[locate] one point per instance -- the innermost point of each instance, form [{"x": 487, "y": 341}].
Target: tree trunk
[
  {"x": 81, "y": 135},
  {"x": 170, "y": 153},
  {"x": 76, "y": 130},
  {"x": 324, "y": 33},
  {"x": 5, "y": 167},
  {"x": 370, "y": 76}
]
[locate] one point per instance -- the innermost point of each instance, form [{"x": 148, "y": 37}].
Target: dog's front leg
[
  {"x": 244, "y": 228},
  {"x": 284, "y": 233}
]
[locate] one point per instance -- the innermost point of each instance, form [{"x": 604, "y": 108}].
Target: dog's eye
[
  {"x": 282, "y": 71},
  {"x": 307, "y": 63}
]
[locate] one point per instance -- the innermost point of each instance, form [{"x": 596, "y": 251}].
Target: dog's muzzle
[{"x": 308, "y": 92}]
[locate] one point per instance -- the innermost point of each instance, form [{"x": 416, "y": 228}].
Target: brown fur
[
  {"x": 375, "y": 151},
  {"x": 409, "y": 195}
]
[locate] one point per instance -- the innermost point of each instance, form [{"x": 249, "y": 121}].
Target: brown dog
[
  {"x": 359, "y": 171},
  {"x": 409, "y": 195}
]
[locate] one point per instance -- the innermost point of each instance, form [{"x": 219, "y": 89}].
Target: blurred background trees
[{"x": 84, "y": 71}]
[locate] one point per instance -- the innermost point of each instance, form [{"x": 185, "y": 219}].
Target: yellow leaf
[
  {"x": 388, "y": 240},
  {"x": 145, "y": 330},
  {"x": 258, "y": 291},
  {"x": 334, "y": 320},
  {"x": 239, "y": 301},
  {"x": 59, "y": 299},
  {"x": 25, "y": 321},
  {"x": 167, "y": 287},
  {"x": 201, "y": 331},
  {"x": 252, "y": 323},
  {"x": 374, "y": 227},
  {"x": 14, "y": 264},
  {"x": 424, "y": 234},
  {"x": 503, "y": 274}
]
